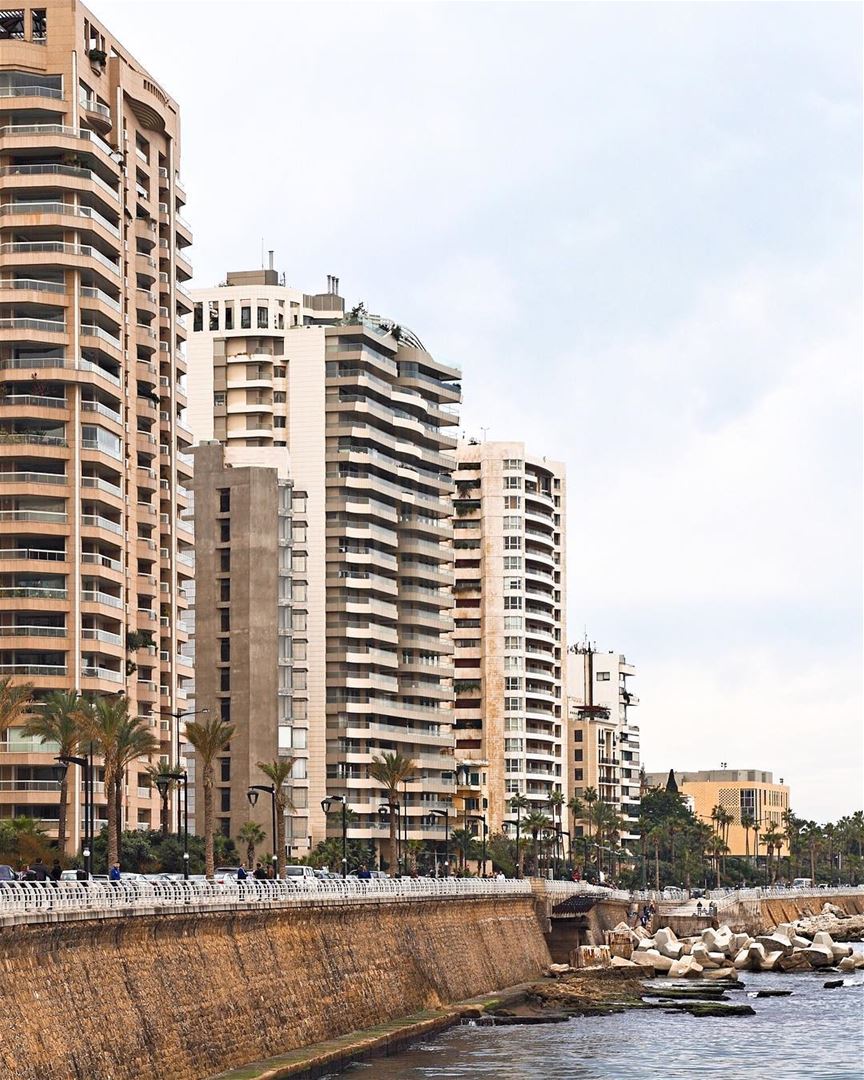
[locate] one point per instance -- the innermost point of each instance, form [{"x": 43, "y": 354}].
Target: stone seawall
[{"x": 183, "y": 997}]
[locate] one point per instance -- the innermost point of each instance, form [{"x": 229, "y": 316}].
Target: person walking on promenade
[
  {"x": 56, "y": 871},
  {"x": 241, "y": 873},
  {"x": 363, "y": 874},
  {"x": 260, "y": 873},
  {"x": 39, "y": 871},
  {"x": 114, "y": 872}
]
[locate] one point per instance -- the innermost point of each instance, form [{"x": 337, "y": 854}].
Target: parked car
[
  {"x": 7, "y": 873},
  {"x": 225, "y": 874},
  {"x": 802, "y": 883},
  {"x": 303, "y": 876}
]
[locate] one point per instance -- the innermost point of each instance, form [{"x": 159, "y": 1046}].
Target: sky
[{"x": 637, "y": 228}]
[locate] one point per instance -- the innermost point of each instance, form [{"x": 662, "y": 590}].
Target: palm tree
[
  {"x": 518, "y": 803},
  {"x": 59, "y": 721},
  {"x": 655, "y": 837},
  {"x": 747, "y": 820},
  {"x": 717, "y": 848},
  {"x": 209, "y": 738},
  {"x": 164, "y": 778},
  {"x": 577, "y": 811},
  {"x": 15, "y": 703},
  {"x": 251, "y": 834},
  {"x": 103, "y": 724},
  {"x": 590, "y": 798},
  {"x": 556, "y": 801},
  {"x": 278, "y": 772},
  {"x": 134, "y": 742},
  {"x": 390, "y": 770},
  {"x": 535, "y": 823},
  {"x": 773, "y": 841}
]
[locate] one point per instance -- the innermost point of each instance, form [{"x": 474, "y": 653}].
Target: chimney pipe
[{"x": 270, "y": 254}]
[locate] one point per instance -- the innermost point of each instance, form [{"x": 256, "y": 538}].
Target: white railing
[
  {"x": 727, "y": 898},
  {"x": 560, "y": 889},
  {"x": 144, "y": 897}
]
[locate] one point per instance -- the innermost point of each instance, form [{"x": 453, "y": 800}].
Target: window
[
  {"x": 213, "y": 315},
  {"x": 224, "y": 500},
  {"x": 512, "y": 663},
  {"x": 512, "y": 562},
  {"x": 512, "y": 603},
  {"x": 278, "y": 421},
  {"x": 512, "y": 483},
  {"x": 245, "y": 318},
  {"x": 198, "y": 317},
  {"x": 225, "y": 710},
  {"x": 298, "y": 621},
  {"x": 219, "y": 399},
  {"x": 577, "y": 735},
  {"x": 225, "y": 800},
  {"x": 512, "y": 682},
  {"x": 225, "y": 650},
  {"x": 298, "y": 680},
  {"x": 512, "y": 463},
  {"x": 513, "y": 583},
  {"x": 225, "y": 590},
  {"x": 577, "y": 774},
  {"x": 279, "y": 371},
  {"x": 224, "y": 620},
  {"x": 514, "y": 522},
  {"x": 225, "y": 769},
  {"x": 512, "y": 622},
  {"x": 514, "y": 746},
  {"x": 513, "y": 723},
  {"x": 512, "y": 642},
  {"x": 577, "y": 755},
  {"x": 263, "y": 318},
  {"x": 602, "y": 676},
  {"x": 512, "y": 764},
  {"x": 229, "y": 317},
  {"x": 512, "y": 543},
  {"x": 279, "y": 397},
  {"x": 512, "y": 704},
  {"x": 224, "y": 678},
  {"x": 224, "y": 532},
  {"x": 512, "y": 502}
]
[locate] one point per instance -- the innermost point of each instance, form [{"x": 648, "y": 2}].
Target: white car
[{"x": 303, "y": 876}]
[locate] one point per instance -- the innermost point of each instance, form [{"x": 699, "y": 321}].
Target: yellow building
[{"x": 738, "y": 792}]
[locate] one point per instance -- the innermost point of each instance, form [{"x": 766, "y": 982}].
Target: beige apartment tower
[
  {"x": 93, "y": 558},
  {"x": 605, "y": 749},
  {"x": 509, "y": 513},
  {"x": 250, "y": 659},
  {"x": 360, "y": 414}
]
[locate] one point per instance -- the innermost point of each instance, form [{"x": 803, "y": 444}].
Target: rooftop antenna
[
  {"x": 262, "y": 252},
  {"x": 484, "y": 430}
]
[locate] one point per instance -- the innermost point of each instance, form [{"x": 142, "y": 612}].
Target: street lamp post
[
  {"x": 446, "y": 815},
  {"x": 481, "y": 818},
  {"x": 385, "y": 810},
  {"x": 569, "y": 846},
  {"x": 408, "y": 780},
  {"x": 84, "y": 763},
  {"x": 178, "y": 716},
  {"x": 252, "y": 796},
  {"x": 326, "y": 805}
]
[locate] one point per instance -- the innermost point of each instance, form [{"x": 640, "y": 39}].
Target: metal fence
[
  {"x": 726, "y": 898},
  {"x": 131, "y": 897}
]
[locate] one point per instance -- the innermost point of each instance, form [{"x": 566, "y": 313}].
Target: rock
[
  {"x": 773, "y": 993},
  {"x": 818, "y": 955},
  {"x": 644, "y": 965},
  {"x": 722, "y": 941},
  {"x": 774, "y": 942},
  {"x": 832, "y": 984},
  {"x": 717, "y": 958},
  {"x": 709, "y": 936},
  {"x": 648, "y": 943},
  {"x": 620, "y": 962},
  {"x": 832, "y": 909},
  {"x": 739, "y": 942},
  {"x": 799, "y": 942},
  {"x": 840, "y": 952},
  {"x": 721, "y": 974},
  {"x": 770, "y": 961},
  {"x": 742, "y": 960},
  {"x": 796, "y": 962},
  {"x": 786, "y": 929},
  {"x": 694, "y": 971},
  {"x": 658, "y": 961},
  {"x": 558, "y": 969},
  {"x": 821, "y": 937},
  {"x": 756, "y": 953},
  {"x": 665, "y": 936},
  {"x": 639, "y": 933},
  {"x": 847, "y": 964}
]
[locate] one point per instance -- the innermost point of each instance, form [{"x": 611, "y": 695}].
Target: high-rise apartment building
[
  {"x": 360, "y": 411},
  {"x": 250, "y": 662},
  {"x": 509, "y": 513},
  {"x": 92, "y": 463},
  {"x": 605, "y": 753}
]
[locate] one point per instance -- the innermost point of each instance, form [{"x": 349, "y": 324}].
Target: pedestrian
[
  {"x": 80, "y": 874},
  {"x": 39, "y": 871},
  {"x": 260, "y": 874},
  {"x": 56, "y": 871},
  {"x": 114, "y": 872},
  {"x": 241, "y": 873},
  {"x": 699, "y": 908},
  {"x": 363, "y": 874}
]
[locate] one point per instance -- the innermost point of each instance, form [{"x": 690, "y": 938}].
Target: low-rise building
[{"x": 749, "y": 795}]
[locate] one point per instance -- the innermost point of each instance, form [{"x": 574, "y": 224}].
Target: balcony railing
[
  {"x": 31, "y": 90},
  {"x": 96, "y": 596},
  {"x": 48, "y": 517},
  {"x": 32, "y": 669},
  {"x": 61, "y": 170},
  {"x": 33, "y": 592},
  {"x": 101, "y": 673}
]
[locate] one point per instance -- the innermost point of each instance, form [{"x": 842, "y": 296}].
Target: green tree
[
  {"x": 104, "y": 723},
  {"x": 278, "y": 772},
  {"x": 390, "y": 770},
  {"x": 59, "y": 720},
  {"x": 747, "y": 820},
  {"x": 251, "y": 834},
  {"x": 535, "y": 823},
  {"x": 134, "y": 741},
  {"x": 518, "y": 804},
  {"x": 164, "y": 778},
  {"x": 773, "y": 840},
  {"x": 590, "y": 796},
  {"x": 208, "y": 738}
]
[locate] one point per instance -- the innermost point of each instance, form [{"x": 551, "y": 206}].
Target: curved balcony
[{"x": 58, "y": 255}]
